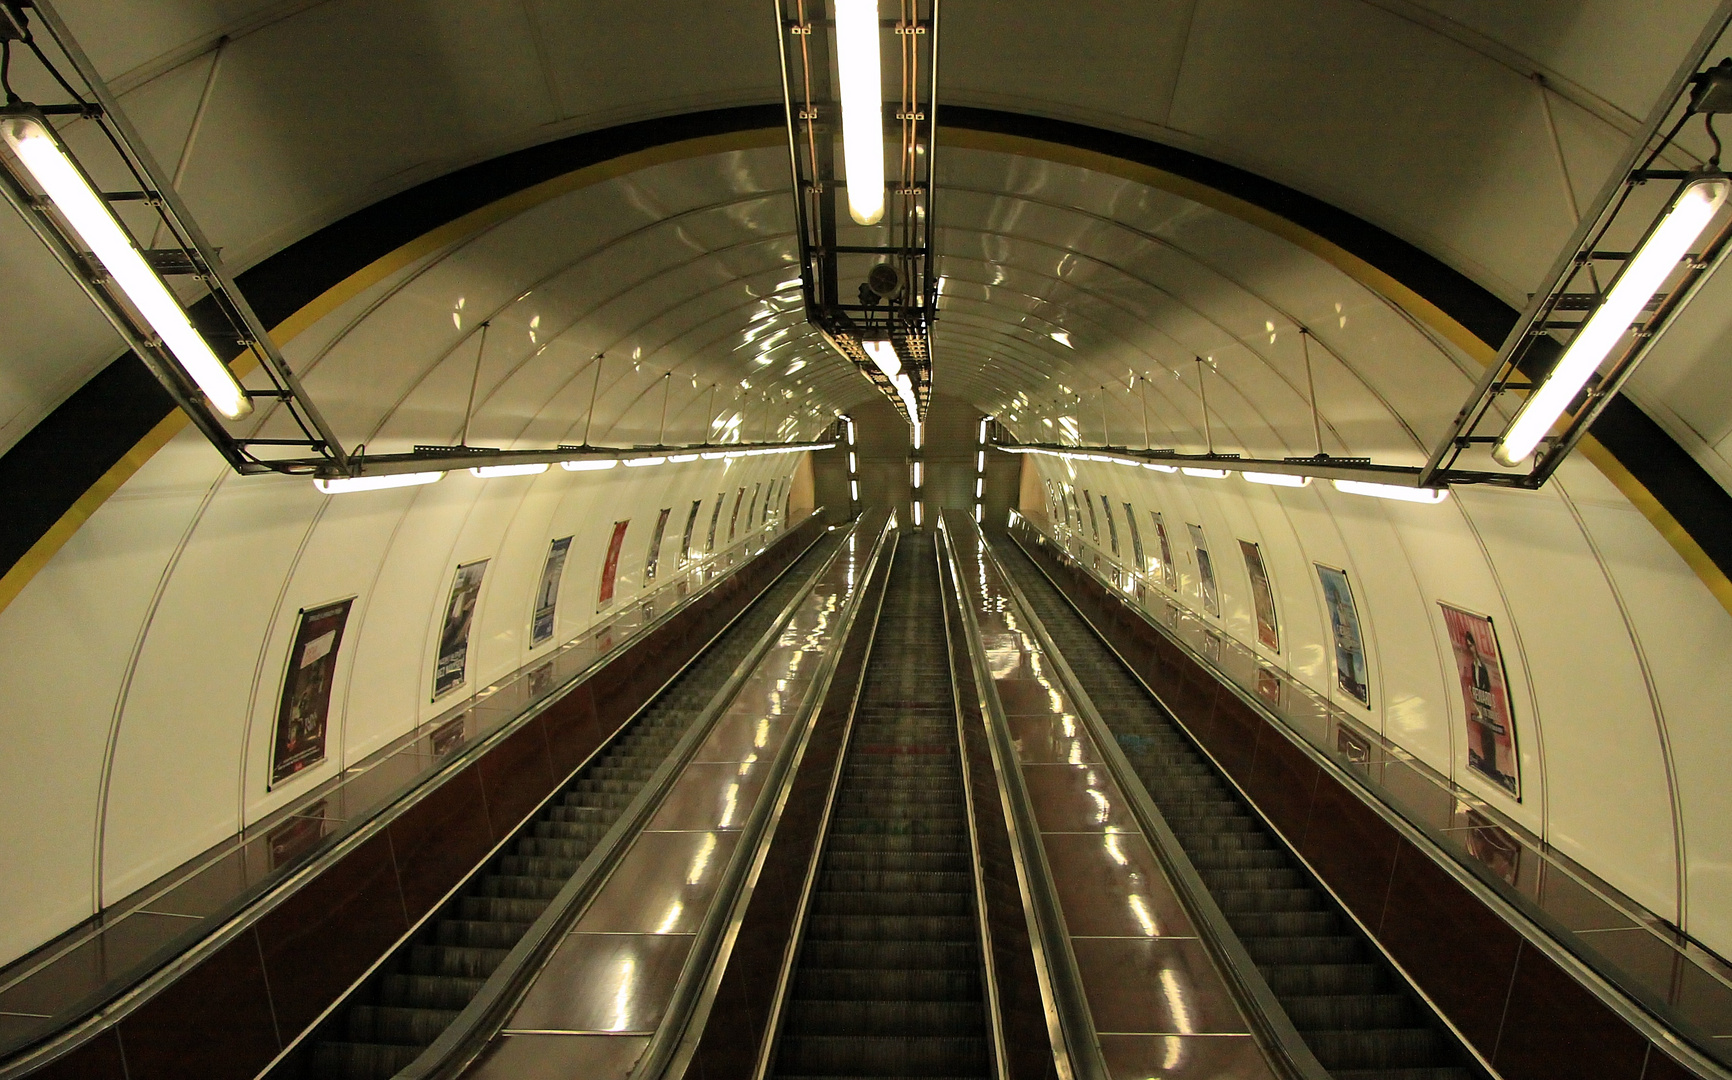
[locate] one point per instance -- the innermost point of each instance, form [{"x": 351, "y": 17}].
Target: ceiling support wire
[
  {"x": 662, "y": 430},
  {"x": 474, "y": 380},
  {"x": 1311, "y": 389},
  {"x": 1203, "y": 396},
  {"x": 594, "y": 391}
]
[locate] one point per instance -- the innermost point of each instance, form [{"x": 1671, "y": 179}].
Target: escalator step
[
  {"x": 877, "y": 1017},
  {"x": 392, "y": 1024},
  {"x": 428, "y": 991},
  {"x": 899, "y": 984},
  {"x": 880, "y": 1055},
  {"x": 361, "y": 1061}
]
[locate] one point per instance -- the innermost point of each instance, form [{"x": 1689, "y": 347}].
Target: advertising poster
[
  {"x": 686, "y": 541},
  {"x": 752, "y": 510},
  {"x": 610, "y": 565},
  {"x": 1262, "y": 596},
  {"x": 1112, "y": 525},
  {"x": 304, "y": 713},
  {"x": 547, "y": 593},
  {"x": 1350, "y": 670},
  {"x": 1094, "y": 521},
  {"x": 655, "y": 545},
  {"x": 448, "y": 671},
  {"x": 734, "y": 517},
  {"x": 715, "y": 516},
  {"x": 1136, "y": 539},
  {"x": 1205, "y": 571},
  {"x": 1491, "y": 746},
  {"x": 1169, "y": 572}
]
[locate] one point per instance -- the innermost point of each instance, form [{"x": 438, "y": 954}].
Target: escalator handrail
[
  {"x": 1280, "y": 1040},
  {"x": 93, "y": 1016},
  {"x": 791, "y": 953},
  {"x": 676, "y": 1038},
  {"x": 1070, "y": 1022}
]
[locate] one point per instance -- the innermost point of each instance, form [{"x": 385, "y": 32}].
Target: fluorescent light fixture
[
  {"x": 343, "y": 485},
  {"x": 588, "y": 465},
  {"x": 883, "y": 354},
  {"x": 488, "y": 472},
  {"x": 1206, "y": 474},
  {"x": 1097, "y": 457},
  {"x": 850, "y": 432},
  {"x": 853, "y": 463},
  {"x": 980, "y": 461},
  {"x": 1660, "y": 253},
  {"x": 919, "y": 474},
  {"x": 854, "y": 490},
  {"x": 985, "y": 420},
  {"x": 714, "y": 455},
  {"x": 1428, "y": 496},
  {"x": 861, "y": 73},
  {"x": 676, "y": 458},
  {"x": 97, "y": 226},
  {"x": 919, "y": 435},
  {"x": 977, "y": 513},
  {"x": 640, "y": 462},
  {"x": 1160, "y": 468},
  {"x": 1275, "y": 479},
  {"x": 979, "y": 487},
  {"x": 917, "y": 512},
  {"x": 1132, "y": 462}
]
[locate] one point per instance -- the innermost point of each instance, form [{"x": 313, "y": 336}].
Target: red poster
[
  {"x": 610, "y": 568},
  {"x": 1491, "y": 747}
]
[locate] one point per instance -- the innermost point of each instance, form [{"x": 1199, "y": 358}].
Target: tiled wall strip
[
  {"x": 1157, "y": 998},
  {"x": 739, "y": 1029},
  {"x": 1526, "y": 1014},
  {"x": 232, "y": 1011}
]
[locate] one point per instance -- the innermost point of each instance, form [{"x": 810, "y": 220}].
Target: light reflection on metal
[{"x": 701, "y": 861}]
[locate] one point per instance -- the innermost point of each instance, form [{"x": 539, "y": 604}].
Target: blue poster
[{"x": 1350, "y": 670}]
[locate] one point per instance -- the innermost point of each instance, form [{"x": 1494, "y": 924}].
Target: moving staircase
[
  {"x": 418, "y": 991},
  {"x": 888, "y": 978},
  {"x": 1361, "y": 1019}
]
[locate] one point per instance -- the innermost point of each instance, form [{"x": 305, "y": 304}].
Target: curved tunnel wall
[{"x": 1616, "y": 656}]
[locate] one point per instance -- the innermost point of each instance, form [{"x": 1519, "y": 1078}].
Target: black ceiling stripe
[{"x": 52, "y": 466}]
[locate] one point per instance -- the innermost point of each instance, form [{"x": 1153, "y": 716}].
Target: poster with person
[
  {"x": 1351, "y": 673},
  {"x": 610, "y": 566},
  {"x": 1491, "y": 737},
  {"x": 734, "y": 516},
  {"x": 686, "y": 541},
  {"x": 1205, "y": 571},
  {"x": 449, "y": 669},
  {"x": 715, "y": 516},
  {"x": 655, "y": 545},
  {"x": 303, "y": 714},
  {"x": 1169, "y": 572},
  {"x": 1262, "y": 596},
  {"x": 547, "y": 593},
  {"x": 1136, "y": 539}
]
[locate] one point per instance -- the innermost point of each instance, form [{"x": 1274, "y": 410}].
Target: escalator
[
  {"x": 418, "y": 991},
  {"x": 888, "y": 978},
  {"x": 1358, "y": 1016}
]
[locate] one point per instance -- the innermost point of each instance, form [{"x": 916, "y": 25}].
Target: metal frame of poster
[
  {"x": 1490, "y": 719},
  {"x": 1169, "y": 572},
  {"x": 1352, "y": 672},
  {"x": 752, "y": 513},
  {"x": 1206, "y": 583},
  {"x": 715, "y": 519},
  {"x": 1112, "y": 524},
  {"x": 1136, "y": 539},
  {"x": 610, "y": 566},
  {"x": 1094, "y": 519},
  {"x": 734, "y": 516},
  {"x": 451, "y": 666},
  {"x": 1262, "y": 596},
  {"x": 541, "y": 618},
  {"x": 653, "y": 556},
  {"x": 304, "y": 710},
  {"x": 686, "y": 541}
]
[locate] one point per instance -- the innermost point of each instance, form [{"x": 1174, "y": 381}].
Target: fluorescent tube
[
  {"x": 1277, "y": 479},
  {"x": 488, "y": 472},
  {"x": 854, "y": 490},
  {"x": 588, "y": 465},
  {"x": 1429, "y": 496},
  {"x": 1207, "y": 474},
  {"x": 638, "y": 463},
  {"x": 1641, "y": 279},
  {"x": 96, "y": 225},
  {"x": 342, "y": 485},
  {"x": 980, "y": 461},
  {"x": 862, "y": 77},
  {"x": 883, "y": 353},
  {"x": 715, "y": 455}
]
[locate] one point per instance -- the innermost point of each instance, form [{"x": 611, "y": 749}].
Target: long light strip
[
  {"x": 1206, "y": 474},
  {"x": 1429, "y": 496},
  {"x": 640, "y": 462},
  {"x": 96, "y": 225},
  {"x": 1277, "y": 479},
  {"x": 883, "y": 353},
  {"x": 489, "y": 472},
  {"x": 589, "y": 465},
  {"x": 1658, "y": 257},
  {"x": 343, "y": 485},
  {"x": 862, "y": 76}
]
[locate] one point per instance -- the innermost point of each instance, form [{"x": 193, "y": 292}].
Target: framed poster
[
  {"x": 1169, "y": 572},
  {"x": 1350, "y": 670},
  {"x": 655, "y": 545},
  {"x": 1205, "y": 571},
  {"x": 715, "y": 516},
  {"x": 610, "y": 565},
  {"x": 686, "y": 541},
  {"x": 448, "y": 670},
  {"x": 1491, "y": 738},
  {"x": 304, "y": 712},
  {"x": 1112, "y": 525},
  {"x": 1262, "y": 596},
  {"x": 752, "y": 511},
  {"x": 734, "y": 518},
  {"x": 547, "y": 593},
  {"x": 1094, "y": 521},
  {"x": 1136, "y": 539}
]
